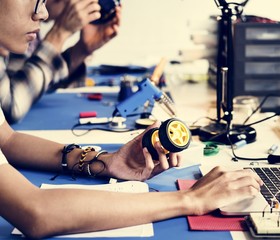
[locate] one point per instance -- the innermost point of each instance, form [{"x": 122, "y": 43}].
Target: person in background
[
  {"x": 39, "y": 213},
  {"x": 24, "y": 78}
]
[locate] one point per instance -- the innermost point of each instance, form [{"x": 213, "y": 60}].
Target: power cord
[
  {"x": 259, "y": 106},
  {"x": 272, "y": 159},
  {"x": 88, "y": 127}
]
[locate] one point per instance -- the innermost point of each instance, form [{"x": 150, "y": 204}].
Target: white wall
[{"x": 151, "y": 29}]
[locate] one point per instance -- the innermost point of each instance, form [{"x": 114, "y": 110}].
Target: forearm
[
  {"x": 44, "y": 212},
  {"x": 75, "y": 57},
  {"x": 23, "y": 150},
  {"x": 28, "y": 151},
  {"x": 77, "y": 54},
  {"x": 101, "y": 210},
  {"x": 57, "y": 37}
]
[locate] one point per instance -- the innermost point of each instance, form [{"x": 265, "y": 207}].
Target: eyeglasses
[{"x": 39, "y": 5}]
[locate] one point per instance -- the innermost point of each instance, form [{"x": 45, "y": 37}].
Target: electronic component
[
  {"x": 95, "y": 120},
  {"x": 108, "y": 11},
  {"x": 87, "y": 114},
  {"x": 264, "y": 225},
  {"x": 118, "y": 123}
]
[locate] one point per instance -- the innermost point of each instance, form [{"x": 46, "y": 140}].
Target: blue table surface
[{"x": 60, "y": 111}]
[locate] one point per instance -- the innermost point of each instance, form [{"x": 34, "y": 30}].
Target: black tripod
[{"x": 219, "y": 130}]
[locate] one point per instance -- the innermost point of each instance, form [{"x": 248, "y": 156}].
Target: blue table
[{"x": 60, "y": 111}]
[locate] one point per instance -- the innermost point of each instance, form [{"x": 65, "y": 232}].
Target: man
[
  {"x": 40, "y": 213},
  {"x": 44, "y": 67}
]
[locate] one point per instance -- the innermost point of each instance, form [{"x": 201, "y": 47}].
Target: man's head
[{"x": 20, "y": 23}]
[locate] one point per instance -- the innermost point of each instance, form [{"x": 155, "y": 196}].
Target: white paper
[{"x": 144, "y": 230}]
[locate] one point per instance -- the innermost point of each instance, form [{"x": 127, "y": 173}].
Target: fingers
[
  {"x": 175, "y": 159},
  {"x": 3, "y": 52},
  {"x": 93, "y": 11},
  {"x": 244, "y": 181},
  {"x": 225, "y": 187},
  {"x": 148, "y": 159},
  {"x": 254, "y": 175},
  {"x": 236, "y": 175},
  {"x": 80, "y": 13},
  {"x": 165, "y": 161}
]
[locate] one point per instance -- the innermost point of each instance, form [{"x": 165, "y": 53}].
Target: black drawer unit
[{"x": 257, "y": 62}]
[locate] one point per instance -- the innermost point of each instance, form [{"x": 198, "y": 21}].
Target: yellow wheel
[
  {"x": 149, "y": 139},
  {"x": 174, "y": 135}
]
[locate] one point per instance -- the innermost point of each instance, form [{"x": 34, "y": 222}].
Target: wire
[
  {"x": 87, "y": 129},
  {"x": 259, "y": 106},
  {"x": 235, "y": 157},
  {"x": 228, "y": 130},
  {"x": 232, "y": 146},
  {"x": 211, "y": 119},
  {"x": 259, "y": 121},
  {"x": 75, "y": 128}
]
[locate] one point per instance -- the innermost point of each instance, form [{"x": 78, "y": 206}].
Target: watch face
[{"x": 108, "y": 11}]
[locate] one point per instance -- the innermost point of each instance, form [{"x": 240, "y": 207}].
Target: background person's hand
[
  {"x": 76, "y": 14},
  {"x": 95, "y": 36},
  {"x": 70, "y": 16}
]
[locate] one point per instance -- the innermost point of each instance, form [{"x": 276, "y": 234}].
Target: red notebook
[{"x": 213, "y": 221}]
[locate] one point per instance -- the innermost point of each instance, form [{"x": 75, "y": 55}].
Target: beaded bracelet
[
  {"x": 95, "y": 159},
  {"x": 83, "y": 157},
  {"x": 67, "y": 149}
]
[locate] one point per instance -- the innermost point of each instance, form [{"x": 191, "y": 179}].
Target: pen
[{"x": 272, "y": 149}]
